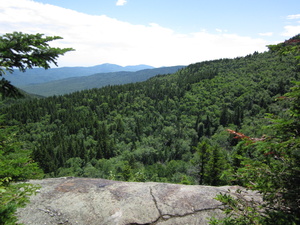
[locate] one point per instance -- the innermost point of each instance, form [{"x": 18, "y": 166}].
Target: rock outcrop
[{"x": 87, "y": 201}]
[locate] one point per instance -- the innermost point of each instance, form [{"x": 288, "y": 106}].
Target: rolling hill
[
  {"x": 149, "y": 131},
  {"x": 68, "y": 85},
  {"x": 220, "y": 122},
  {"x": 39, "y": 75}
]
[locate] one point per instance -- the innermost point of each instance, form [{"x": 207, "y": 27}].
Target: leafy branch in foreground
[
  {"x": 22, "y": 51},
  {"x": 16, "y": 165},
  {"x": 12, "y": 197},
  {"x": 234, "y": 209},
  {"x": 273, "y": 170},
  {"x": 26, "y": 51},
  {"x": 273, "y": 166}
]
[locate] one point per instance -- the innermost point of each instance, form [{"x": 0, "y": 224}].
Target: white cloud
[
  {"x": 221, "y": 30},
  {"x": 292, "y": 17},
  {"x": 269, "y": 34},
  {"x": 291, "y": 31},
  {"x": 100, "y": 39},
  {"x": 121, "y": 2}
]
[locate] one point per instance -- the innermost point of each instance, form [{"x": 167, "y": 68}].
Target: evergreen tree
[
  {"x": 201, "y": 159},
  {"x": 15, "y": 165},
  {"x": 273, "y": 168},
  {"x": 25, "y": 51},
  {"x": 22, "y": 51}
]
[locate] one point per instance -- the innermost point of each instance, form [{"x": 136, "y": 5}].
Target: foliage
[
  {"x": 54, "y": 82},
  {"x": 291, "y": 46},
  {"x": 271, "y": 166},
  {"x": 16, "y": 165},
  {"x": 273, "y": 171},
  {"x": 151, "y": 131},
  {"x": 239, "y": 210},
  {"x": 25, "y": 51},
  {"x": 174, "y": 128},
  {"x": 209, "y": 163}
]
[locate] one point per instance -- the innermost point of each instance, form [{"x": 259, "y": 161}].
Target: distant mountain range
[
  {"x": 39, "y": 75},
  {"x": 82, "y": 82}
]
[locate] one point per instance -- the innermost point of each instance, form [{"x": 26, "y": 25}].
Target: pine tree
[
  {"x": 25, "y": 51},
  {"x": 15, "y": 165},
  {"x": 273, "y": 168}
]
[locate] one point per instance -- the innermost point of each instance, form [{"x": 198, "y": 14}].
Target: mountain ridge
[
  {"x": 72, "y": 84},
  {"x": 39, "y": 75},
  {"x": 151, "y": 131}
]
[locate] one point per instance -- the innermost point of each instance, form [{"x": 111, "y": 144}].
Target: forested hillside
[
  {"x": 171, "y": 128},
  {"x": 40, "y": 75},
  {"x": 69, "y": 85}
]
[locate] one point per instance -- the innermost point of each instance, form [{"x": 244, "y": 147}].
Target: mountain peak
[{"x": 38, "y": 75}]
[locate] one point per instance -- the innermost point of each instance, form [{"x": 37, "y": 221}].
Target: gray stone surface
[{"x": 87, "y": 201}]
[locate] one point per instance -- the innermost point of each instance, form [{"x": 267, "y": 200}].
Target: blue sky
[
  {"x": 247, "y": 17},
  {"x": 154, "y": 32}
]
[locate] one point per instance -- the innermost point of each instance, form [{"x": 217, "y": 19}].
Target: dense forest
[
  {"x": 222, "y": 122},
  {"x": 170, "y": 128},
  {"x": 97, "y": 80}
]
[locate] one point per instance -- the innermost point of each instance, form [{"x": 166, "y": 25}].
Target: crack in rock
[
  {"x": 159, "y": 211},
  {"x": 155, "y": 202},
  {"x": 165, "y": 217},
  {"x": 92, "y": 201}
]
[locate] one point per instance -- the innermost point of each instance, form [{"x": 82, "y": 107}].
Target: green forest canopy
[
  {"x": 171, "y": 128},
  {"x": 151, "y": 130},
  {"x": 22, "y": 51}
]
